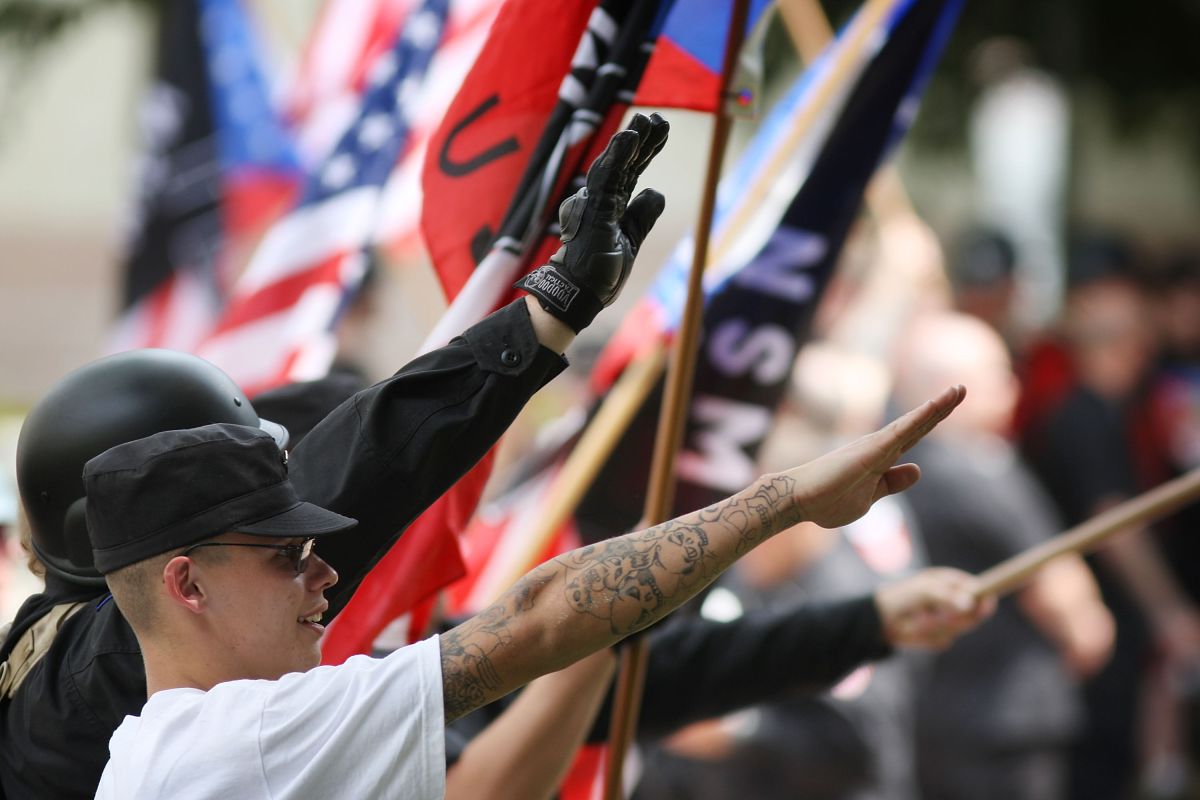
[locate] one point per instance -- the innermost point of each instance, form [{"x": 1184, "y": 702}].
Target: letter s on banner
[
  {"x": 766, "y": 351},
  {"x": 777, "y": 270}
]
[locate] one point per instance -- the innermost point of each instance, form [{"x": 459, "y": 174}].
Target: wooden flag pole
[
  {"x": 810, "y": 32},
  {"x": 1158, "y": 502},
  {"x": 857, "y": 38},
  {"x": 585, "y": 460},
  {"x": 673, "y": 415}
]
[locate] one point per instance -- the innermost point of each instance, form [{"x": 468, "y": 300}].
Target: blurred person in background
[
  {"x": 1102, "y": 264},
  {"x": 1019, "y": 138},
  {"x": 983, "y": 279},
  {"x": 1000, "y": 709},
  {"x": 854, "y": 741},
  {"x": 8, "y": 546},
  {"x": 1175, "y": 400},
  {"x": 1167, "y": 444},
  {"x": 1085, "y": 435}
]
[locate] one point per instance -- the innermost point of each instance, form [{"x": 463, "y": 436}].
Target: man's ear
[{"x": 183, "y": 589}]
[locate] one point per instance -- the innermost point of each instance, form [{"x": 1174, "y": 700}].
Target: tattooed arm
[
  {"x": 591, "y": 598},
  {"x": 525, "y": 753}
]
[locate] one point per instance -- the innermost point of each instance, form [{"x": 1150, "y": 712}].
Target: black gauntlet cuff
[{"x": 564, "y": 299}]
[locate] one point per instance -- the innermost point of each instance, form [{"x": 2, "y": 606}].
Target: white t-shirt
[{"x": 367, "y": 728}]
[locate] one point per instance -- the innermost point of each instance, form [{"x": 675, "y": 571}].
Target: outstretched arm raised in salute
[{"x": 592, "y": 597}]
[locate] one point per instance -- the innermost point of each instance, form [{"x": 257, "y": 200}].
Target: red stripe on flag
[
  {"x": 158, "y": 311},
  {"x": 282, "y": 295},
  {"x": 255, "y": 198}
]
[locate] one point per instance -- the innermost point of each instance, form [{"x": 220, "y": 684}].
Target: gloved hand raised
[{"x": 601, "y": 228}]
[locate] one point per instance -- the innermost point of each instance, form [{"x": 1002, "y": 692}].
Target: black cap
[
  {"x": 108, "y": 402},
  {"x": 985, "y": 258},
  {"x": 177, "y": 488}
]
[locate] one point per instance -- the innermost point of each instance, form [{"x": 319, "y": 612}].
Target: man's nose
[{"x": 319, "y": 576}]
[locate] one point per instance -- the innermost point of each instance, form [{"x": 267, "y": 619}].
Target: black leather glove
[{"x": 601, "y": 228}]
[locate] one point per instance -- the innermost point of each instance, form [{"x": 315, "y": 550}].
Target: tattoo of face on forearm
[{"x": 628, "y": 581}]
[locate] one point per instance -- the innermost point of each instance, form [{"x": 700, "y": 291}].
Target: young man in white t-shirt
[{"x": 209, "y": 555}]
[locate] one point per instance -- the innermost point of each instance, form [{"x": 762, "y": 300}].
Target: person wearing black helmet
[
  {"x": 114, "y": 399},
  {"x": 71, "y": 668}
]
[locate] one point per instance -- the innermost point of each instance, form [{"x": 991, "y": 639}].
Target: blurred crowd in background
[{"x": 1084, "y": 679}]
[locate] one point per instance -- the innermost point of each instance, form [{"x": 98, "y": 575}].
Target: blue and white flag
[{"x": 768, "y": 279}]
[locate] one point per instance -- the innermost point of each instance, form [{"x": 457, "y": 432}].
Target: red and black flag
[{"x": 538, "y": 104}]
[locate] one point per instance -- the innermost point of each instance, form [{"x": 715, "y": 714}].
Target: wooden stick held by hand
[{"x": 1154, "y": 504}]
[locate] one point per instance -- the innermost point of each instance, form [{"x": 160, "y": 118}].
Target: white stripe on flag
[
  {"x": 341, "y": 223},
  {"x": 255, "y": 352},
  {"x": 334, "y": 57}
]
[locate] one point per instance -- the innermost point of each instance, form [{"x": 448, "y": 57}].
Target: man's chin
[
  {"x": 311, "y": 660},
  {"x": 301, "y": 663}
]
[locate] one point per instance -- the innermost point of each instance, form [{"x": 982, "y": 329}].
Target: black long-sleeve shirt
[
  {"x": 699, "y": 668},
  {"x": 381, "y": 457}
]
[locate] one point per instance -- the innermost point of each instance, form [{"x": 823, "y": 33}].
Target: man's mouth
[{"x": 313, "y": 621}]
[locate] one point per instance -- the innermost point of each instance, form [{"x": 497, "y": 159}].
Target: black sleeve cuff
[
  {"x": 506, "y": 343},
  {"x": 699, "y": 669}
]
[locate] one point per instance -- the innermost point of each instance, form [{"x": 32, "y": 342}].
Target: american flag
[
  {"x": 279, "y": 325},
  {"x": 348, "y": 36},
  {"x": 260, "y": 171}
]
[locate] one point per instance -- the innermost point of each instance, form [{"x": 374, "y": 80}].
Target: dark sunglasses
[{"x": 298, "y": 553}]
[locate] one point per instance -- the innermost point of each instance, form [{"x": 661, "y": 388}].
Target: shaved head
[
  {"x": 136, "y": 589},
  {"x": 945, "y": 347}
]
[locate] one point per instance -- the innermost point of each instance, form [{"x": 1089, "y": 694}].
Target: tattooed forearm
[
  {"x": 611, "y": 589},
  {"x": 633, "y": 581},
  {"x": 470, "y": 678}
]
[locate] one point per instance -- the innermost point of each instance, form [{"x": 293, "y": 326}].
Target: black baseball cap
[{"x": 177, "y": 488}]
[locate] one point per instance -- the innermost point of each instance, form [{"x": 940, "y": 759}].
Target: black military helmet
[{"x": 100, "y": 405}]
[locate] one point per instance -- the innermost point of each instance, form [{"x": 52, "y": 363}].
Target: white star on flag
[
  {"x": 278, "y": 327},
  {"x": 338, "y": 171},
  {"x": 375, "y": 131}
]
